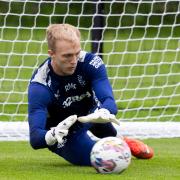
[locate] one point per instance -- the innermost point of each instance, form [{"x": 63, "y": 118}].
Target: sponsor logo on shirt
[
  {"x": 70, "y": 86},
  {"x": 96, "y": 62},
  {"x": 72, "y": 99}
]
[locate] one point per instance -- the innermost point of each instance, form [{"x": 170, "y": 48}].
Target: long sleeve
[
  {"x": 100, "y": 84},
  {"x": 103, "y": 91},
  {"x": 38, "y": 101}
]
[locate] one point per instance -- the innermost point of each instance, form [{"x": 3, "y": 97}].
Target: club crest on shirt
[
  {"x": 96, "y": 62},
  {"x": 81, "y": 80}
]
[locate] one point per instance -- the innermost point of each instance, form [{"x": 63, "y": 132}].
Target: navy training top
[{"x": 52, "y": 98}]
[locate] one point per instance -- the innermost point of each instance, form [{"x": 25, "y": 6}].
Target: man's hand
[
  {"x": 99, "y": 116},
  {"x": 57, "y": 133}
]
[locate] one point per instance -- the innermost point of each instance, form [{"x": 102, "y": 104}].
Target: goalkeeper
[{"x": 68, "y": 95}]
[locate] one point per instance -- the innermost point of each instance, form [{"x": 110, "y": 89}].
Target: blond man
[{"x": 68, "y": 95}]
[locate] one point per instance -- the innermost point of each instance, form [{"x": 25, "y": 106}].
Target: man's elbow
[
  {"x": 37, "y": 142},
  {"x": 34, "y": 143}
]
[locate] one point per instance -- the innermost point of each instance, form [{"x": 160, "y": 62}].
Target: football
[{"x": 110, "y": 155}]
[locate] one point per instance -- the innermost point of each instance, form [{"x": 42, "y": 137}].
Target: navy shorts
[{"x": 78, "y": 145}]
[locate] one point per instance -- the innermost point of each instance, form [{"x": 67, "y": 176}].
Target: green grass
[
  {"x": 20, "y": 162},
  {"x": 147, "y": 80}
]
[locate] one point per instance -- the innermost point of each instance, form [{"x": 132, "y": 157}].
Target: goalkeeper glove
[
  {"x": 99, "y": 116},
  {"x": 57, "y": 133}
]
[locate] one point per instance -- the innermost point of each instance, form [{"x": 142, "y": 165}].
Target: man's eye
[{"x": 67, "y": 55}]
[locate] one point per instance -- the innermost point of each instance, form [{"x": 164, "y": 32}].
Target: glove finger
[
  {"x": 62, "y": 132},
  {"x": 88, "y": 118},
  {"x": 114, "y": 120},
  {"x": 59, "y": 139},
  {"x": 100, "y": 120},
  {"x": 83, "y": 119},
  {"x": 60, "y": 135},
  {"x": 68, "y": 122}
]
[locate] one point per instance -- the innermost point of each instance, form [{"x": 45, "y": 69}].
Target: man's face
[{"x": 65, "y": 57}]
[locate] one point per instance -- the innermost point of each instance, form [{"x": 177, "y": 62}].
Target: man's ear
[{"x": 51, "y": 53}]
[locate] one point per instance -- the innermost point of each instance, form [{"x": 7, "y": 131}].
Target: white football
[{"x": 110, "y": 155}]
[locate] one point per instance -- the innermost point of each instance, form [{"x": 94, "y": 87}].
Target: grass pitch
[{"x": 20, "y": 162}]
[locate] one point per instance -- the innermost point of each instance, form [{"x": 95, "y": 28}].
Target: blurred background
[{"x": 139, "y": 42}]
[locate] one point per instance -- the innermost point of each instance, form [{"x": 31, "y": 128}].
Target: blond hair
[{"x": 61, "y": 32}]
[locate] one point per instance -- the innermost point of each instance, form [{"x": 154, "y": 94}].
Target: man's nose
[{"x": 74, "y": 59}]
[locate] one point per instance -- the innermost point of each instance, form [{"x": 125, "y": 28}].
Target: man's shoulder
[
  {"x": 41, "y": 74},
  {"x": 90, "y": 59},
  {"x": 85, "y": 56}
]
